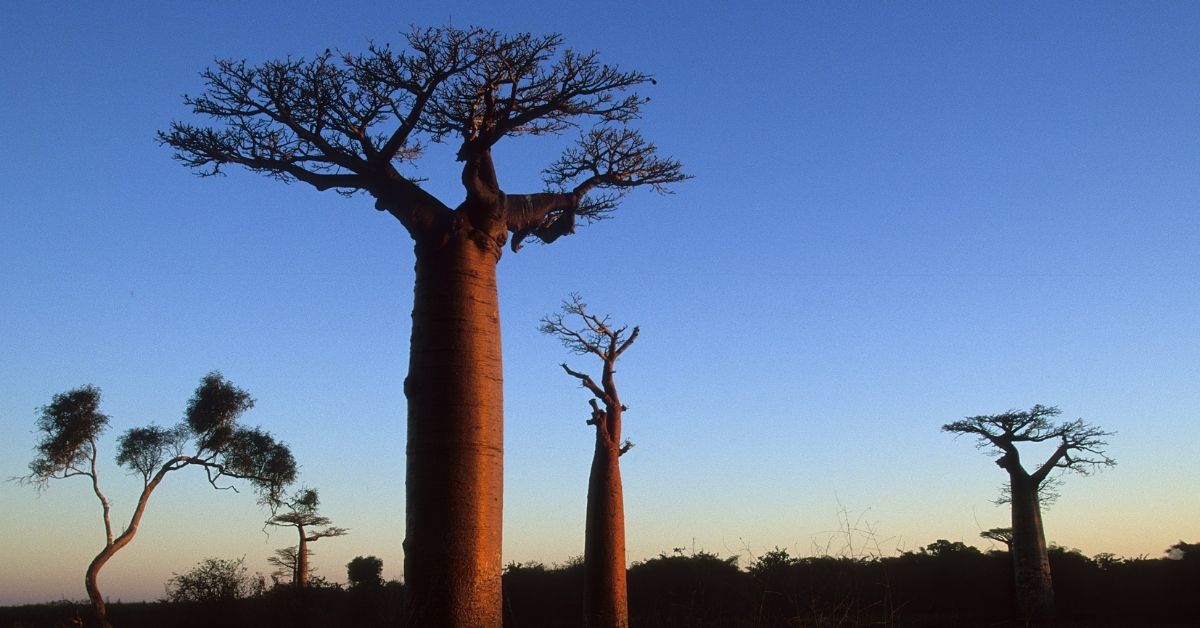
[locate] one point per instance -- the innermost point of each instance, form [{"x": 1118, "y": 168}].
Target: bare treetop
[
  {"x": 1080, "y": 445},
  {"x": 597, "y": 336},
  {"x": 351, "y": 122}
]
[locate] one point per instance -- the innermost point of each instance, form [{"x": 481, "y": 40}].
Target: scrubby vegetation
[{"x": 943, "y": 584}]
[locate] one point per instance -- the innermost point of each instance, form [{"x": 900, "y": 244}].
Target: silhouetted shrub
[
  {"x": 536, "y": 595},
  {"x": 696, "y": 590}
]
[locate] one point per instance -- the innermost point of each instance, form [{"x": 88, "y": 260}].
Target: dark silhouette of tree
[
  {"x": 365, "y": 572},
  {"x": 606, "y": 598},
  {"x": 1080, "y": 448},
  {"x": 213, "y": 580},
  {"x": 942, "y": 547},
  {"x": 1000, "y": 535},
  {"x": 357, "y": 123},
  {"x": 302, "y": 515},
  {"x": 1184, "y": 551},
  {"x": 285, "y": 560},
  {"x": 211, "y": 433}
]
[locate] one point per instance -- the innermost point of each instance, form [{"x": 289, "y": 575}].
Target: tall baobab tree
[
  {"x": 1079, "y": 448},
  {"x": 605, "y": 599},
  {"x": 357, "y": 123},
  {"x": 302, "y": 515},
  {"x": 72, "y": 422}
]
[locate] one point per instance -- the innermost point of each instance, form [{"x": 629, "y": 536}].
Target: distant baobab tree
[
  {"x": 72, "y": 422},
  {"x": 1002, "y": 535},
  {"x": 1080, "y": 449},
  {"x": 358, "y": 123},
  {"x": 605, "y": 599},
  {"x": 302, "y": 515},
  {"x": 284, "y": 560}
]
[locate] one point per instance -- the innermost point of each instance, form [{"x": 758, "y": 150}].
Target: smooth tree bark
[
  {"x": 223, "y": 448},
  {"x": 605, "y": 599},
  {"x": 1080, "y": 449},
  {"x": 355, "y": 123},
  {"x": 302, "y": 515}
]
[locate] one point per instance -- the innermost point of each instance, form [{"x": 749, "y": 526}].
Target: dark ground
[{"x": 947, "y": 584}]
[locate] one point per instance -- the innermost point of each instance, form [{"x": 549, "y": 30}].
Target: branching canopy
[
  {"x": 72, "y": 421},
  {"x": 303, "y": 515},
  {"x": 145, "y": 449},
  {"x": 1080, "y": 445},
  {"x": 213, "y": 411},
  {"x": 1002, "y": 535},
  {"x": 596, "y": 336},
  {"x": 353, "y": 122},
  {"x": 69, "y": 424}
]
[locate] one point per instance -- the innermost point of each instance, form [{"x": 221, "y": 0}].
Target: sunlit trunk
[
  {"x": 1031, "y": 563},
  {"x": 301, "y": 576},
  {"x": 605, "y": 602},
  {"x": 99, "y": 608},
  {"x": 454, "y": 485},
  {"x": 93, "y": 571}
]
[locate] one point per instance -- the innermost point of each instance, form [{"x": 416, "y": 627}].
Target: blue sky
[{"x": 901, "y": 215}]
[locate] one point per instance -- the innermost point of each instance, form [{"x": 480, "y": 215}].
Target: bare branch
[
  {"x": 618, "y": 158},
  {"x": 590, "y": 333},
  {"x": 516, "y": 86},
  {"x": 319, "y": 121},
  {"x": 1080, "y": 450},
  {"x": 586, "y": 381}
]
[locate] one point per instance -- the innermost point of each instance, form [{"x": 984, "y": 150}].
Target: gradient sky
[{"x": 902, "y": 214}]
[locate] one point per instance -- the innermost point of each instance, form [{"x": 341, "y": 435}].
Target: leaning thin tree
[
  {"x": 1079, "y": 448},
  {"x": 310, "y": 526},
  {"x": 605, "y": 599},
  {"x": 72, "y": 422},
  {"x": 357, "y": 123}
]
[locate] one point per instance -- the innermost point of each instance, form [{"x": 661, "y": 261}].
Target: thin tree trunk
[
  {"x": 455, "y": 469},
  {"x": 605, "y": 602},
  {"x": 93, "y": 571},
  {"x": 1031, "y": 563}
]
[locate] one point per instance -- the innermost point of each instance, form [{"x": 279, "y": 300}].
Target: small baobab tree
[
  {"x": 1000, "y": 535},
  {"x": 605, "y": 599},
  {"x": 210, "y": 437},
  {"x": 1078, "y": 447},
  {"x": 360, "y": 123},
  {"x": 310, "y": 526}
]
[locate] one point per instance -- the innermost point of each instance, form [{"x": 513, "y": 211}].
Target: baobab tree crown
[
  {"x": 1080, "y": 445},
  {"x": 358, "y": 122}
]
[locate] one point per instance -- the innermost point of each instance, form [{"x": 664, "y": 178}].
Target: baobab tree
[
  {"x": 1079, "y": 448},
  {"x": 357, "y": 123},
  {"x": 605, "y": 599},
  {"x": 302, "y": 515},
  {"x": 1000, "y": 535},
  {"x": 217, "y": 443}
]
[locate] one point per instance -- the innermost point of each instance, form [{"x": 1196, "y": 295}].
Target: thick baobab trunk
[
  {"x": 605, "y": 601},
  {"x": 1031, "y": 563},
  {"x": 455, "y": 471}
]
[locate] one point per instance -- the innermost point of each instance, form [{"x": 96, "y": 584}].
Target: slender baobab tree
[
  {"x": 358, "y": 123},
  {"x": 72, "y": 422},
  {"x": 605, "y": 599},
  {"x": 302, "y": 515},
  {"x": 1079, "y": 448}
]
